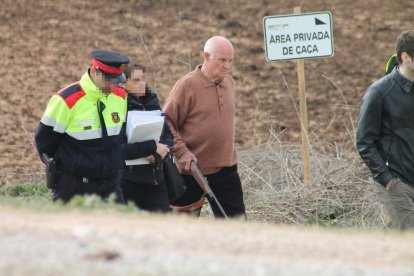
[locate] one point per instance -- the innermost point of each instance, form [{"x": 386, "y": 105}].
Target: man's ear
[
  {"x": 405, "y": 56},
  {"x": 206, "y": 55},
  {"x": 95, "y": 73},
  {"x": 92, "y": 71}
]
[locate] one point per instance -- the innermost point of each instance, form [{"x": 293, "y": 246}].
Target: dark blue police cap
[{"x": 112, "y": 64}]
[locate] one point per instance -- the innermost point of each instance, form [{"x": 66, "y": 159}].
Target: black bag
[{"x": 173, "y": 179}]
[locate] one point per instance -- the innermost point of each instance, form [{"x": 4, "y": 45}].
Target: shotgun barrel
[{"x": 208, "y": 193}]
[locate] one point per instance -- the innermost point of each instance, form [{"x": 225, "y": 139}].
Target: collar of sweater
[{"x": 206, "y": 82}]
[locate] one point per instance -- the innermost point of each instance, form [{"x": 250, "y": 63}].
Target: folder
[{"x": 143, "y": 126}]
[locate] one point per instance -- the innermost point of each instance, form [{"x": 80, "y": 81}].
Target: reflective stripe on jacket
[{"x": 71, "y": 129}]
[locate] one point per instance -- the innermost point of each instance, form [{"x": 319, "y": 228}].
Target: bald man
[{"x": 200, "y": 111}]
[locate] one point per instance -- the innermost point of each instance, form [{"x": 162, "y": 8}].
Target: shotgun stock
[{"x": 208, "y": 193}]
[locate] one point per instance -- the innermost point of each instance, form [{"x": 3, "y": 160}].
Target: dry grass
[{"x": 341, "y": 192}]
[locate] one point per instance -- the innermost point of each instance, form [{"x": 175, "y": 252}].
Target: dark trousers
[
  {"x": 150, "y": 198},
  {"x": 226, "y": 186},
  {"x": 70, "y": 185},
  {"x": 139, "y": 186}
]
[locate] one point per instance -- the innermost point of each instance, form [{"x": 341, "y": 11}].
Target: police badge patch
[{"x": 115, "y": 117}]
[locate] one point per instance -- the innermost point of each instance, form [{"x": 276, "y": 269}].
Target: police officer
[{"x": 80, "y": 129}]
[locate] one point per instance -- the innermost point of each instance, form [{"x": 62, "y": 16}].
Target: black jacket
[
  {"x": 143, "y": 173},
  {"x": 385, "y": 135}
]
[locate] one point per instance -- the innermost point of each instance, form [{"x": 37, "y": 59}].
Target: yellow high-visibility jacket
[{"x": 80, "y": 128}]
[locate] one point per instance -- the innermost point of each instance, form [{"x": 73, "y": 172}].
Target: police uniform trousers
[
  {"x": 70, "y": 185},
  {"x": 226, "y": 186}
]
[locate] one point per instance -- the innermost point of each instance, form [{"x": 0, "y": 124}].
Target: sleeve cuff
[{"x": 385, "y": 180}]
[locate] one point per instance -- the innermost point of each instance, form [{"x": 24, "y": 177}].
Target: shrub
[{"x": 341, "y": 192}]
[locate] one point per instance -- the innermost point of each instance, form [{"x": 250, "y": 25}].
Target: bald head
[
  {"x": 217, "y": 42},
  {"x": 218, "y": 58}
]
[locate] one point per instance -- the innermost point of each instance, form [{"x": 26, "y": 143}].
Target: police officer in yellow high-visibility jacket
[{"x": 80, "y": 129}]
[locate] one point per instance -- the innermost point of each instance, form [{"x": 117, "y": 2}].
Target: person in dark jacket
[
  {"x": 80, "y": 130},
  {"x": 143, "y": 184},
  {"x": 385, "y": 135}
]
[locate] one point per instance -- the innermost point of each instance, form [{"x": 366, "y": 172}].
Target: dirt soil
[
  {"x": 45, "y": 46},
  {"x": 97, "y": 243}
]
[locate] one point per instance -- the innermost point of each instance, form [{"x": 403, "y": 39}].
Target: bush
[{"x": 341, "y": 192}]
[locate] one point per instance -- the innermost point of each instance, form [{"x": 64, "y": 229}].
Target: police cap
[{"x": 111, "y": 64}]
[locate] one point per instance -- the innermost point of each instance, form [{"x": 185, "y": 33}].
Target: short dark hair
[
  {"x": 131, "y": 67},
  {"x": 405, "y": 43}
]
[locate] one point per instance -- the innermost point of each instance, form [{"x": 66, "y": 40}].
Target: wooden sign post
[
  {"x": 299, "y": 36},
  {"x": 303, "y": 116}
]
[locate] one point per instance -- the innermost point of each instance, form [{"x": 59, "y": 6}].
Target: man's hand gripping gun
[{"x": 208, "y": 193}]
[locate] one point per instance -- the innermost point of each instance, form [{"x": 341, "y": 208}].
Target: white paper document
[{"x": 143, "y": 126}]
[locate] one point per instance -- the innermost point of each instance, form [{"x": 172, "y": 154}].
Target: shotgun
[{"x": 208, "y": 193}]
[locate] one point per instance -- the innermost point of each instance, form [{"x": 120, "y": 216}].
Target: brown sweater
[{"x": 201, "y": 116}]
